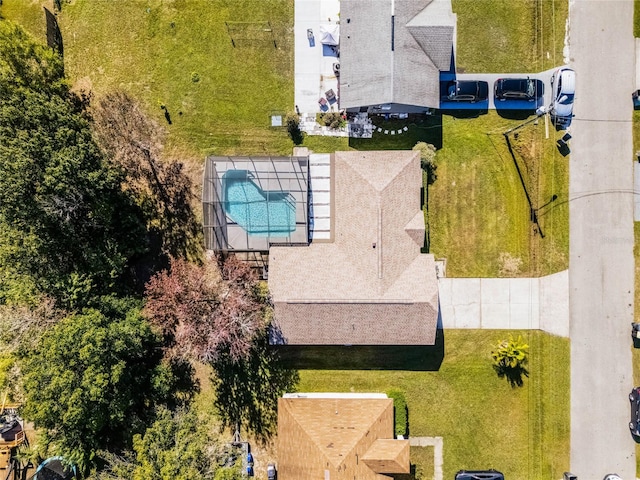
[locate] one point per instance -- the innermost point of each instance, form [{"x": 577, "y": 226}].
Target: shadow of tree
[
  {"x": 134, "y": 142},
  {"x": 247, "y": 391},
  {"x": 514, "y": 375}
]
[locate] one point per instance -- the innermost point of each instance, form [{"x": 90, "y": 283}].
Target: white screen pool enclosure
[{"x": 250, "y": 203}]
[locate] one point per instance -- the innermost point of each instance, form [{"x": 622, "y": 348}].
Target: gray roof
[
  {"x": 403, "y": 67},
  {"x": 371, "y": 285}
]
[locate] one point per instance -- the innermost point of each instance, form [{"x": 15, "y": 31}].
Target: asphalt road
[{"x": 601, "y": 268}]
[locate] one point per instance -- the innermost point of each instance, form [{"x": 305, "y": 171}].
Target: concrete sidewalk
[{"x": 507, "y": 303}]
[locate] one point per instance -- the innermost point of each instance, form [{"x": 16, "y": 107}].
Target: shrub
[
  {"x": 401, "y": 411},
  {"x": 427, "y": 160},
  {"x": 332, "y": 120},
  {"x": 510, "y": 359},
  {"x": 292, "y": 122}
]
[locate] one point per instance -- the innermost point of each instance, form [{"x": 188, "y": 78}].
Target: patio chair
[
  {"x": 331, "y": 96},
  {"x": 324, "y": 105}
]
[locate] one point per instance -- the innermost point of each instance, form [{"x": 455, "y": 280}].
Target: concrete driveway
[
  {"x": 490, "y": 78},
  {"x": 601, "y": 273},
  {"x": 506, "y": 303}
]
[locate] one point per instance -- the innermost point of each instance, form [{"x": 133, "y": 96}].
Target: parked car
[
  {"x": 634, "y": 424},
  {"x": 516, "y": 89},
  {"x": 467, "y": 91},
  {"x": 272, "y": 473},
  {"x": 563, "y": 84},
  {"x": 479, "y": 475},
  {"x": 612, "y": 476}
]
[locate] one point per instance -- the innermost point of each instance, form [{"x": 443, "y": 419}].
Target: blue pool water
[{"x": 260, "y": 213}]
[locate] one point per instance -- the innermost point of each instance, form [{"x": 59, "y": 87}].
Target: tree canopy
[
  {"x": 93, "y": 380},
  {"x": 205, "y": 310},
  {"x": 177, "y": 446},
  {"x": 67, "y": 227}
]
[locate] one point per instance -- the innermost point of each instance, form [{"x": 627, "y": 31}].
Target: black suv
[
  {"x": 634, "y": 424},
  {"x": 466, "y": 91},
  {"x": 516, "y": 89},
  {"x": 479, "y": 475}
]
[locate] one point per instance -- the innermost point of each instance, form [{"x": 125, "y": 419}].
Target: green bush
[
  {"x": 332, "y": 120},
  {"x": 292, "y": 121},
  {"x": 401, "y": 411}
]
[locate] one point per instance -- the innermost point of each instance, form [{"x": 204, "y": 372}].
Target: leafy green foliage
[
  {"x": 93, "y": 380},
  {"x": 25, "y": 63},
  {"x": 67, "y": 228},
  {"x": 401, "y": 411},
  {"x": 334, "y": 120},
  {"x": 292, "y": 122},
  {"x": 427, "y": 160},
  {"x": 173, "y": 448},
  {"x": 510, "y": 359},
  {"x": 177, "y": 446}
]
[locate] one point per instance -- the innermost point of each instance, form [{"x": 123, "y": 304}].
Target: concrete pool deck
[{"x": 313, "y": 70}]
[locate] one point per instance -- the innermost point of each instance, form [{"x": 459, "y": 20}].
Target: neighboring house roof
[
  {"x": 370, "y": 285},
  {"x": 392, "y": 51},
  {"x": 339, "y": 437}
]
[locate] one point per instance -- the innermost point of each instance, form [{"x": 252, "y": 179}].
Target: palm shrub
[{"x": 510, "y": 359}]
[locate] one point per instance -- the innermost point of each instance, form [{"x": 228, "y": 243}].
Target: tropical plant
[{"x": 510, "y": 359}]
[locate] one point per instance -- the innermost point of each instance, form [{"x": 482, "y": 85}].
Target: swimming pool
[{"x": 259, "y": 212}]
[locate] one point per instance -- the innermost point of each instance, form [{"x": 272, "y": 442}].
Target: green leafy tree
[
  {"x": 178, "y": 446},
  {"x": 67, "y": 227},
  {"x": 510, "y": 359},
  {"x": 93, "y": 380},
  {"x": 27, "y": 63},
  {"x": 292, "y": 121}
]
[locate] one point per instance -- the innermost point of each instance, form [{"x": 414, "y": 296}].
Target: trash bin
[{"x": 635, "y": 330}]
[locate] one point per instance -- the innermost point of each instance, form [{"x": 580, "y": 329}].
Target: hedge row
[{"x": 401, "y": 411}]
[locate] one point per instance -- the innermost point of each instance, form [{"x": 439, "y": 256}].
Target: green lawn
[
  {"x": 155, "y": 50},
  {"x": 636, "y": 18},
  {"x": 478, "y": 209},
  {"x": 510, "y": 35},
  {"x": 485, "y": 423}
]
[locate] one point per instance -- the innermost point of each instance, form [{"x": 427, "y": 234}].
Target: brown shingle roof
[
  {"x": 388, "y": 456},
  {"x": 332, "y": 435},
  {"x": 371, "y": 285}
]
